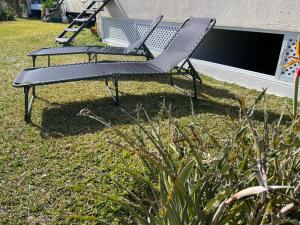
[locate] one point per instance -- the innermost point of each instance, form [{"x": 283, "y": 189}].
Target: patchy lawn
[{"x": 56, "y": 170}]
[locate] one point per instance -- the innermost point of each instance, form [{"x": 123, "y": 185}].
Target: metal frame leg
[
  {"x": 185, "y": 71},
  {"x": 49, "y": 62},
  {"x": 193, "y": 70},
  {"x": 33, "y": 92},
  {"x": 90, "y": 58},
  {"x": 33, "y": 64},
  {"x": 116, "y": 84},
  {"x": 149, "y": 54},
  {"x": 27, "y": 104},
  {"x": 171, "y": 79},
  {"x": 195, "y": 86},
  {"x": 33, "y": 60},
  {"x": 26, "y": 113}
]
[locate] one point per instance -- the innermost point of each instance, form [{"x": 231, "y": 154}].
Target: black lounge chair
[
  {"x": 179, "y": 51},
  {"x": 137, "y": 48}
]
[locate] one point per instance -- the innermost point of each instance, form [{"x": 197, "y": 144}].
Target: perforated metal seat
[{"x": 59, "y": 51}]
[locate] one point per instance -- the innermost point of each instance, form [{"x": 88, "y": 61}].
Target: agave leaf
[
  {"x": 240, "y": 133},
  {"x": 141, "y": 177},
  {"x": 137, "y": 210},
  {"x": 158, "y": 145},
  {"x": 241, "y": 101},
  {"x": 185, "y": 136},
  {"x": 232, "y": 214},
  {"x": 173, "y": 215},
  {"x": 184, "y": 196},
  {"x": 244, "y": 161},
  {"x": 186, "y": 172},
  {"x": 260, "y": 96},
  {"x": 217, "y": 216},
  {"x": 292, "y": 207},
  {"x": 248, "y": 192},
  {"x": 184, "y": 216},
  {"x": 215, "y": 202}
]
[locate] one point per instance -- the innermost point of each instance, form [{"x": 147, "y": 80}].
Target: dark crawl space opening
[{"x": 254, "y": 51}]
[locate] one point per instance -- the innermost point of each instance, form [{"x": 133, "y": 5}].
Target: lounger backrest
[
  {"x": 134, "y": 47},
  {"x": 188, "y": 37}
]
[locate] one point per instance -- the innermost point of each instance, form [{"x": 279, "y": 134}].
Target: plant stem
[{"x": 295, "y": 104}]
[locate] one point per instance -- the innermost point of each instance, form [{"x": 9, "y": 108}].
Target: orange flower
[
  {"x": 298, "y": 48},
  {"x": 294, "y": 60}
]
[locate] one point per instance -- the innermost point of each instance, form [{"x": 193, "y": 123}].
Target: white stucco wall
[
  {"x": 76, "y": 6},
  {"x": 281, "y": 15}
]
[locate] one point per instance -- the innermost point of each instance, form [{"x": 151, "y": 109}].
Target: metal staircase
[
  {"x": 53, "y": 10},
  {"x": 81, "y": 21}
]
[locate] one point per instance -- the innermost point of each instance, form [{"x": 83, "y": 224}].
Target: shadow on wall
[{"x": 116, "y": 10}]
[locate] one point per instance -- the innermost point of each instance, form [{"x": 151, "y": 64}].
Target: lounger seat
[
  {"x": 87, "y": 71},
  {"x": 137, "y": 48},
  {"x": 85, "y": 50},
  {"x": 174, "y": 58},
  {"x": 59, "y": 51}
]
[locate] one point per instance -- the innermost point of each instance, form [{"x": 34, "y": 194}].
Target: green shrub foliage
[
  {"x": 6, "y": 15},
  {"x": 252, "y": 177}
]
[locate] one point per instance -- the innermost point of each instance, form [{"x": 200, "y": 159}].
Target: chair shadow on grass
[{"x": 63, "y": 119}]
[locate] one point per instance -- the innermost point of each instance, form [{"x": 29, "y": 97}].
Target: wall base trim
[{"x": 245, "y": 78}]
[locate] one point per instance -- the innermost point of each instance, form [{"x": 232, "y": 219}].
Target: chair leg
[
  {"x": 193, "y": 70},
  {"x": 171, "y": 79},
  {"x": 195, "y": 86},
  {"x": 33, "y": 61},
  {"x": 198, "y": 77},
  {"x": 33, "y": 92},
  {"x": 116, "y": 84},
  {"x": 115, "y": 96},
  {"x": 26, "y": 104},
  {"x": 49, "y": 62}
]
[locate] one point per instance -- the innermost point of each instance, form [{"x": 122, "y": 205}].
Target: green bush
[
  {"x": 47, "y": 4},
  {"x": 252, "y": 177},
  {"x": 6, "y": 15}
]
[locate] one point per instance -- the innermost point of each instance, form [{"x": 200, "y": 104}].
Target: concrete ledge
[{"x": 245, "y": 78}]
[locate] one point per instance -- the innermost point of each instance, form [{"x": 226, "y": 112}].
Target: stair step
[
  {"x": 62, "y": 40},
  {"x": 90, "y": 12},
  {"x": 81, "y": 20},
  {"x": 74, "y": 29}
]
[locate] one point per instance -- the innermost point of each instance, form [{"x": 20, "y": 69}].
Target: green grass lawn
[{"x": 56, "y": 170}]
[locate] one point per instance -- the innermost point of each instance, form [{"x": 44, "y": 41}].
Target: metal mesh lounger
[
  {"x": 138, "y": 48},
  {"x": 189, "y": 36}
]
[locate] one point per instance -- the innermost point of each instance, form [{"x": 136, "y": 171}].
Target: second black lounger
[
  {"x": 179, "y": 51},
  {"x": 138, "y": 48}
]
